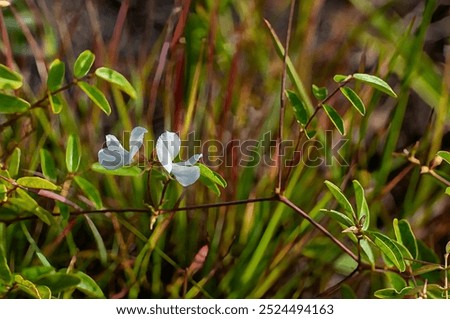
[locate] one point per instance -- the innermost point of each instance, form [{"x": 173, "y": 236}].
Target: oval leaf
[
  {"x": 213, "y": 176},
  {"x": 36, "y": 182},
  {"x": 56, "y": 75},
  {"x": 375, "y": 82},
  {"x": 9, "y": 79},
  {"x": 361, "y": 204},
  {"x": 73, "y": 154},
  {"x": 88, "y": 286},
  {"x": 319, "y": 93},
  {"x": 389, "y": 249},
  {"x": 14, "y": 162},
  {"x": 123, "y": 171},
  {"x": 55, "y": 103},
  {"x": 299, "y": 107},
  {"x": 354, "y": 99},
  {"x": 58, "y": 282},
  {"x": 11, "y": 104},
  {"x": 335, "y": 118},
  {"x": 405, "y": 236},
  {"x": 341, "y": 199},
  {"x": 338, "y": 78},
  {"x": 47, "y": 165},
  {"x": 83, "y": 63},
  {"x": 116, "y": 78},
  {"x": 96, "y": 96},
  {"x": 90, "y": 190}
]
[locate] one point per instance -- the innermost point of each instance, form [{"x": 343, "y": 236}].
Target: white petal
[
  {"x": 185, "y": 175},
  {"x": 192, "y": 160},
  {"x": 136, "y": 140},
  {"x": 167, "y": 148},
  {"x": 111, "y": 159}
]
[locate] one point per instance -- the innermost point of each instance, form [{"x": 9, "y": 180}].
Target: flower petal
[
  {"x": 185, "y": 175},
  {"x": 136, "y": 140},
  {"x": 192, "y": 160},
  {"x": 167, "y": 148}
]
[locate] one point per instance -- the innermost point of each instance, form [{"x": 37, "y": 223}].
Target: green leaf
[
  {"x": 354, "y": 99},
  {"x": 55, "y": 103},
  {"x": 445, "y": 156},
  {"x": 9, "y": 79},
  {"x": 34, "y": 272},
  {"x": 40, "y": 292},
  {"x": 5, "y": 272},
  {"x": 11, "y": 104},
  {"x": 405, "y": 236},
  {"x": 447, "y": 191},
  {"x": 213, "y": 176},
  {"x": 391, "y": 293},
  {"x": 123, "y": 171},
  {"x": 310, "y": 134},
  {"x": 58, "y": 282},
  {"x": 36, "y": 182},
  {"x": 447, "y": 248},
  {"x": 299, "y": 107},
  {"x": 98, "y": 240},
  {"x": 3, "y": 193},
  {"x": 367, "y": 251},
  {"x": 426, "y": 269},
  {"x": 335, "y": 118},
  {"x": 116, "y": 78},
  {"x": 338, "y": 78},
  {"x": 375, "y": 82},
  {"x": 339, "y": 217},
  {"x": 395, "y": 280},
  {"x": 14, "y": 162},
  {"x": 88, "y": 286},
  {"x": 47, "y": 165},
  {"x": 319, "y": 93},
  {"x": 90, "y": 190},
  {"x": 389, "y": 249},
  {"x": 96, "y": 96},
  {"x": 56, "y": 74},
  {"x": 361, "y": 204},
  {"x": 83, "y": 63},
  {"x": 341, "y": 199},
  {"x": 73, "y": 154}
]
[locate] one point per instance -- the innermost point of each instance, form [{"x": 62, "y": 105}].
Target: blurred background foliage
[{"x": 211, "y": 67}]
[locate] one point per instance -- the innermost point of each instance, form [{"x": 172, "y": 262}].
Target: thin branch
[{"x": 279, "y": 189}]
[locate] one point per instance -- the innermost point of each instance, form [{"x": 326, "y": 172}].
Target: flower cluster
[{"x": 168, "y": 147}]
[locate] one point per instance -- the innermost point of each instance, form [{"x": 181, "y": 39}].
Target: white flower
[
  {"x": 115, "y": 156},
  {"x": 167, "y": 148}
]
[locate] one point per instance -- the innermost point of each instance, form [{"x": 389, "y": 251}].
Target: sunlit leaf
[
  {"x": 88, "y": 286},
  {"x": 339, "y": 78},
  {"x": 405, "y": 236},
  {"x": 36, "y": 182},
  {"x": 319, "y": 93},
  {"x": 11, "y": 104},
  {"x": 367, "y": 250},
  {"x": 361, "y": 204},
  {"x": 83, "y": 64},
  {"x": 299, "y": 107},
  {"x": 55, "y": 103},
  {"x": 3, "y": 193},
  {"x": 123, "y": 171},
  {"x": 35, "y": 291},
  {"x": 375, "y": 82},
  {"x": 47, "y": 165},
  {"x": 96, "y": 96},
  {"x": 390, "y": 249},
  {"x": 116, "y": 78},
  {"x": 9, "y": 79},
  {"x": 354, "y": 99},
  {"x": 56, "y": 74},
  {"x": 90, "y": 190},
  {"x": 335, "y": 118},
  {"x": 73, "y": 153},
  {"x": 34, "y": 272},
  {"x": 395, "y": 280},
  {"x": 213, "y": 176},
  {"x": 341, "y": 199}
]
